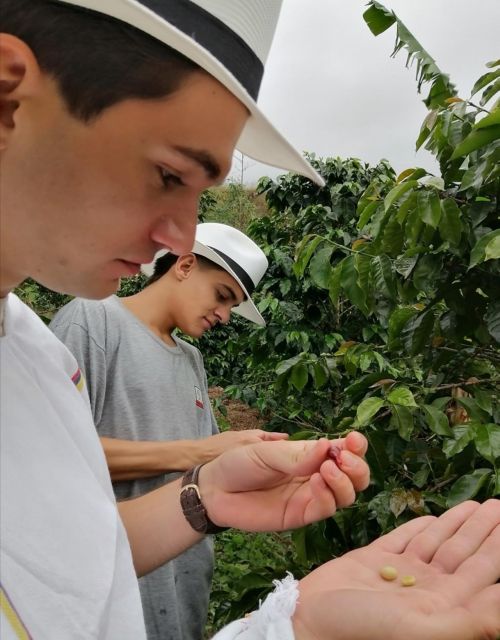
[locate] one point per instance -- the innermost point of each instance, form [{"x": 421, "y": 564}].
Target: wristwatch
[{"x": 192, "y": 506}]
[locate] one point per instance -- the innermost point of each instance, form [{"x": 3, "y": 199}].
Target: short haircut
[
  {"x": 96, "y": 60},
  {"x": 166, "y": 262}
]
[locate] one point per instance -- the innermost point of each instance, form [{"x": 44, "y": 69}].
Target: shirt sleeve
[
  {"x": 81, "y": 326},
  {"x": 272, "y": 621}
]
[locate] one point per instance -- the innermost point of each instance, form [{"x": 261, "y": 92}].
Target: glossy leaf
[
  {"x": 402, "y": 418},
  {"x": 476, "y": 139},
  {"x": 398, "y": 192},
  {"x": 490, "y": 243},
  {"x": 487, "y": 441},
  {"x": 320, "y": 267},
  {"x": 402, "y": 396},
  {"x": 468, "y": 486},
  {"x": 437, "y": 420},
  {"x": 367, "y": 409},
  {"x": 429, "y": 207},
  {"x": 383, "y": 276},
  {"x": 378, "y": 18},
  {"x": 299, "y": 376},
  {"x": 450, "y": 224}
]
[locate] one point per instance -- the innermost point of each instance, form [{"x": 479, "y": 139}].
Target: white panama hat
[
  {"x": 230, "y": 39},
  {"x": 236, "y": 253}
]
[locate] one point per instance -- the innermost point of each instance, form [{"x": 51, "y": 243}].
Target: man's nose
[
  {"x": 223, "y": 314},
  {"x": 176, "y": 231}
]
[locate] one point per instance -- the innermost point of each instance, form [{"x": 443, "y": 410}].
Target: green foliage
[
  {"x": 245, "y": 566},
  {"x": 383, "y": 312}
]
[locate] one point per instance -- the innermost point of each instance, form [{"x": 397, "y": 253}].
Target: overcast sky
[{"x": 331, "y": 87}]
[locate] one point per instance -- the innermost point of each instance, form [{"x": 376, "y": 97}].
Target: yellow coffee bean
[
  {"x": 408, "y": 581},
  {"x": 388, "y": 572}
]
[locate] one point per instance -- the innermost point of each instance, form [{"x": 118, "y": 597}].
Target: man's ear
[
  {"x": 185, "y": 265},
  {"x": 19, "y": 77}
]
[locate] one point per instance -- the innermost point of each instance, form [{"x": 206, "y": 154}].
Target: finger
[
  {"x": 479, "y": 618},
  {"x": 273, "y": 435},
  {"x": 483, "y": 567},
  {"x": 339, "y": 483},
  {"x": 356, "y": 468},
  {"x": 396, "y": 541},
  {"x": 356, "y": 442},
  {"x": 323, "y": 503},
  {"x": 426, "y": 544}
]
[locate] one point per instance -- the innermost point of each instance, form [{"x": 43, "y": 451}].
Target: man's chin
[{"x": 94, "y": 289}]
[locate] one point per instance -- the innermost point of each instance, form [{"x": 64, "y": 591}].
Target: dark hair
[
  {"x": 166, "y": 262},
  {"x": 96, "y": 60}
]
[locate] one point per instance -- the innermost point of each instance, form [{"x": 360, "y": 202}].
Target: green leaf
[
  {"x": 350, "y": 284},
  {"x": 402, "y": 418},
  {"x": 487, "y": 441},
  {"x": 378, "y": 18},
  {"x": 467, "y": 487},
  {"x": 304, "y": 252},
  {"x": 284, "y": 366},
  {"x": 320, "y": 375},
  {"x": 383, "y": 276},
  {"x": 490, "y": 120},
  {"x": 417, "y": 331},
  {"x": 397, "y": 321},
  {"x": 489, "y": 92},
  {"x": 299, "y": 376},
  {"x": 320, "y": 267},
  {"x": 462, "y": 435},
  {"x": 492, "y": 319},
  {"x": 484, "y": 80},
  {"x": 476, "y": 139},
  {"x": 450, "y": 225},
  {"x": 395, "y": 194},
  {"x": 402, "y": 396},
  {"x": 473, "y": 409},
  {"x": 368, "y": 212},
  {"x": 437, "y": 421},
  {"x": 335, "y": 283},
  {"x": 367, "y": 409},
  {"x": 429, "y": 207},
  {"x": 479, "y": 252}
]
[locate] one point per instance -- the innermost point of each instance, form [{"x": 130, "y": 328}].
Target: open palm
[{"x": 456, "y": 562}]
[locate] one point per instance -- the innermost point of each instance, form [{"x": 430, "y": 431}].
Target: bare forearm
[
  {"x": 156, "y": 527},
  {"x": 130, "y": 459}
]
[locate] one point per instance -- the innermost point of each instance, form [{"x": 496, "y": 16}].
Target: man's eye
[
  {"x": 221, "y": 297},
  {"x": 169, "y": 179}
]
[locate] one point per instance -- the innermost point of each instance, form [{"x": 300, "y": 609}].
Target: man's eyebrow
[{"x": 205, "y": 159}]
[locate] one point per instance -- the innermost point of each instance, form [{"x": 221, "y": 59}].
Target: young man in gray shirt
[{"x": 149, "y": 396}]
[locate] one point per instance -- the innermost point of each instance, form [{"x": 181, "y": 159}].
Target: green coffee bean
[
  {"x": 388, "y": 572},
  {"x": 408, "y": 581}
]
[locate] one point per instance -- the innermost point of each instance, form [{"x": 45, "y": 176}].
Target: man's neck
[{"x": 144, "y": 310}]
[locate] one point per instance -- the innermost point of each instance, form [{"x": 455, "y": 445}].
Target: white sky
[{"x": 331, "y": 87}]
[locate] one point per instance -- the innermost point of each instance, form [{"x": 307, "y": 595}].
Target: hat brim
[
  {"x": 246, "y": 309},
  {"x": 259, "y": 140}
]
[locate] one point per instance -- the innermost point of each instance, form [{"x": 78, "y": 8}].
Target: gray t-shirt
[{"x": 142, "y": 389}]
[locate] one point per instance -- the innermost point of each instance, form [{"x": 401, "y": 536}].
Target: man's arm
[
  {"x": 130, "y": 459},
  {"x": 269, "y": 486}
]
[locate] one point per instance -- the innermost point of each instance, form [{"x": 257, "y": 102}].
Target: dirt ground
[{"x": 239, "y": 415}]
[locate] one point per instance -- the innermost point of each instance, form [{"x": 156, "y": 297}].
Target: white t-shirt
[{"x": 66, "y": 568}]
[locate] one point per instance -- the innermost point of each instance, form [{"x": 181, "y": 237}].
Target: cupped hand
[
  {"x": 273, "y": 486},
  {"x": 455, "y": 560}
]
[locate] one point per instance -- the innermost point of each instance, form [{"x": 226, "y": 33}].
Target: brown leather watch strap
[{"x": 192, "y": 506}]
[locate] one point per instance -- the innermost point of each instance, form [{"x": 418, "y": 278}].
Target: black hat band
[
  {"x": 214, "y": 36},
  {"x": 246, "y": 280}
]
